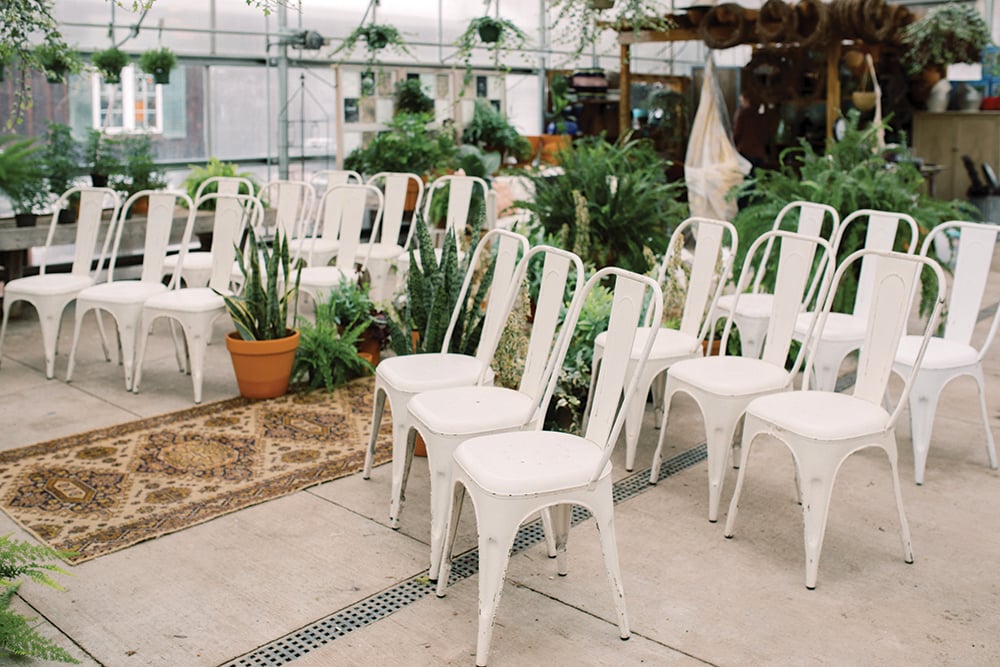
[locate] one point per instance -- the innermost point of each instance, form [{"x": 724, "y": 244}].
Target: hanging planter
[
  {"x": 158, "y": 62},
  {"x": 110, "y": 63},
  {"x": 499, "y": 35},
  {"x": 489, "y": 30},
  {"x": 57, "y": 61},
  {"x": 376, "y": 37},
  {"x": 598, "y": 5}
]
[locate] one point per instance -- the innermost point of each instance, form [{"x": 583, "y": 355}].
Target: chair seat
[
  {"x": 839, "y": 326},
  {"x": 479, "y": 409},
  {"x": 669, "y": 343},
  {"x": 730, "y": 376},
  {"x": 424, "y": 372},
  {"x": 47, "y": 284},
  {"x": 529, "y": 462},
  {"x": 324, "y": 276},
  {"x": 940, "y": 353},
  {"x": 820, "y": 415},
  {"x": 190, "y": 300},
  {"x": 123, "y": 291},
  {"x": 379, "y": 251},
  {"x": 192, "y": 260},
  {"x": 750, "y": 305},
  {"x": 319, "y": 246}
]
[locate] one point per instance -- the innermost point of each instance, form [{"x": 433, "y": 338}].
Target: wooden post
[
  {"x": 832, "y": 86},
  {"x": 625, "y": 91}
]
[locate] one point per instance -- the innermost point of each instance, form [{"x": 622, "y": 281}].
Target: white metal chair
[
  {"x": 197, "y": 308},
  {"x": 952, "y": 354},
  {"x": 823, "y": 428},
  {"x": 844, "y": 332},
  {"x": 50, "y": 293},
  {"x": 723, "y": 386},
  {"x": 350, "y": 206},
  {"x": 446, "y": 417},
  {"x": 511, "y": 476},
  {"x": 197, "y": 267},
  {"x": 710, "y": 270},
  {"x": 293, "y": 203},
  {"x": 398, "y": 379},
  {"x": 324, "y": 179},
  {"x": 383, "y": 253},
  {"x": 753, "y": 315},
  {"x": 124, "y": 299}
]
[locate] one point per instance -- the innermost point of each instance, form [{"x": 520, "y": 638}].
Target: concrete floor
[{"x": 218, "y": 591}]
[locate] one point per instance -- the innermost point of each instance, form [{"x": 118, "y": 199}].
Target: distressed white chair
[
  {"x": 293, "y": 203},
  {"x": 50, "y": 293},
  {"x": 753, "y": 315},
  {"x": 197, "y": 267},
  {"x": 446, "y": 417},
  {"x": 124, "y": 299},
  {"x": 324, "y": 179},
  {"x": 952, "y": 354},
  {"x": 722, "y": 386},
  {"x": 346, "y": 207},
  {"x": 398, "y": 379},
  {"x": 511, "y": 476},
  {"x": 383, "y": 253},
  {"x": 710, "y": 269},
  {"x": 197, "y": 308},
  {"x": 844, "y": 332},
  {"x": 822, "y": 428}
]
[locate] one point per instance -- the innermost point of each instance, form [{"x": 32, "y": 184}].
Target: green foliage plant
[
  {"x": 23, "y": 24},
  {"x": 139, "y": 168},
  {"x": 101, "y": 155},
  {"x": 409, "y": 97},
  {"x": 158, "y": 62},
  {"x": 408, "y": 144},
  {"x": 109, "y": 63},
  {"x": 22, "y": 173},
  {"x": 57, "y": 60},
  {"x": 491, "y": 131},
  {"x": 630, "y": 204},
  {"x": 508, "y": 39},
  {"x": 18, "y": 637},
  {"x": 63, "y": 156},
  {"x": 214, "y": 167},
  {"x": 260, "y": 312},
  {"x": 327, "y": 355},
  {"x": 581, "y": 25},
  {"x": 377, "y": 37},
  {"x": 851, "y": 174},
  {"x": 949, "y": 33}
]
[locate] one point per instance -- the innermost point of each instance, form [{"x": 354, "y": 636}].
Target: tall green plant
[{"x": 62, "y": 157}]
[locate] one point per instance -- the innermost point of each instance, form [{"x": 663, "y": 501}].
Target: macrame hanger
[{"x": 880, "y": 128}]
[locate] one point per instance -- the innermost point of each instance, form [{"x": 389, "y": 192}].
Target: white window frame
[{"x": 127, "y": 92}]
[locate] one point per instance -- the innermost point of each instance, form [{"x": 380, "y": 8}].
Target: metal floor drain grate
[{"x": 293, "y": 646}]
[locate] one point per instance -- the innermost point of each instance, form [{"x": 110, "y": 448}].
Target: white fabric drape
[{"x": 712, "y": 165}]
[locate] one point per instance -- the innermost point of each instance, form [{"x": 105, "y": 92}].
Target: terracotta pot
[
  {"x": 140, "y": 206},
  {"x": 263, "y": 367},
  {"x": 419, "y": 446},
  {"x": 370, "y": 347},
  {"x": 715, "y": 349},
  {"x": 552, "y": 144}
]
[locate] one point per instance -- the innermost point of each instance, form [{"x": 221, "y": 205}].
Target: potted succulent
[
  {"x": 100, "y": 157},
  {"x": 57, "y": 60},
  {"x": 949, "y": 33},
  {"x": 62, "y": 157},
  {"x": 498, "y": 35},
  {"x": 109, "y": 63},
  {"x": 263, "y": 347},
  {"x": 158, "y": 62}
]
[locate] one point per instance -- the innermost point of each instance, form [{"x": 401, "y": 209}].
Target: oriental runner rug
[{"x": 104, "y": 490}]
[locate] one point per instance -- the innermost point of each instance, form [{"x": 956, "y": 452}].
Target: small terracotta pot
[
  {"x": 420, "y": 447},
  {"x": 263, "y": 367}
]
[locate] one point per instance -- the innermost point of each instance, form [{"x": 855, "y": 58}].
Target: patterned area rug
[{"x": 101, "y": 491}]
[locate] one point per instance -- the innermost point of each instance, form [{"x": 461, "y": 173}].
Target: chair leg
[
  {"x": 720, "y": 425},
  {"x": 377, "y": 409},
  {"x": 654, "y": 470},
  {"x": 922, "y": 403},
  {"x": 49, "y": 314},
  {"x": 549, "y": 529},
  {"x": 904, "y": 527},
  {"x": 560, "y": 529},
  {"x": 140, "y": 353},
  {"x": 991, "y": 450},
  {"x": 127, "y": 335},
  {"x": 495, "y": 540},
  {"x": 7, "y": 302},
  {"x": 633, "y": 417},
  {"x": 439, "y": 460},
  {"x": 78, "y": 320},
  {"x": 403, "y": 438},
  {"x": 103, "y": 335},
  {"x": 454, "y": 513},
  {"x": 604, "y": 513},
  {"x": 750, "y": 430}
]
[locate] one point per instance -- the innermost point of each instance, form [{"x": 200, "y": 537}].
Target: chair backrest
[
  {"x": 505, "y": 249},
  {"x": 810, "y": 221},
  {"x": 88, "y": 227},
  {"x": 233, "y": 213},
  {"x": 224, "y": 185},
  {"x": 324, "y": 179},
  {"x": 894, "y": 277},
  {"x": 395, "y": 186},
  {"x": 344, "y": 208},
  {"x": 792, "y": 286},
  {"x": 884, "y": 227},
  {"x": 156, "y": 237},
  {"x": 615, "y": 388},
  {"x": 460, "y": 193},
  {"x": 293, "y": 202},
  {"x": 710, "y": 269},
  {"x": 976, "y": 247}
]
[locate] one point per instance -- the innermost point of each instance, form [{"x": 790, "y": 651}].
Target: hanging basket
[
  {"x": 723, "y": 26},
  {"x": 489, "y": 33},
  {"x": 777, "y": 21},
  {"x": 814, "y": 26},
  {"x": 161, "y": 76}
]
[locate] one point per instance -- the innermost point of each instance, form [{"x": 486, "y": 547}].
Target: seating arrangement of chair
[
  {"x": 124, "y": 299},
  {"x": 382, "y": 253},
  {"x": 844, "y": 332},
  {"x": 197, "y": 308},
  {"x": 823, "y": 428},
  {"x": 198, "y": 266},
  {"x": 710, "y": 269},
  {"x": 398, "y": 379},
  {"x": 446, "y": 417},
  {"x": 50, "y": 293},
  {"x": 723, "y": 386},
  {"x": 346, "y": 208},
  {"x": 293, "y": 203},
  {"x": 752, "y": 316},
  {"x": 324, "y": 179},
  {"x": 511, "y": 476},
  {"x": 952, "y": 354}
]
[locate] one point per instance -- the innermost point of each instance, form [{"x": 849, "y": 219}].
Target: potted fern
[
  {"x": 158, "y": 62},
  {"x": 263, "y": 347},
  {"x": 498, "y": 35},
  {"x": 949, "y": 33},
  {"x": 376, "y": 37},
  {"x": 58, "y": 61},
  {"x": 109, "y": 63}
]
